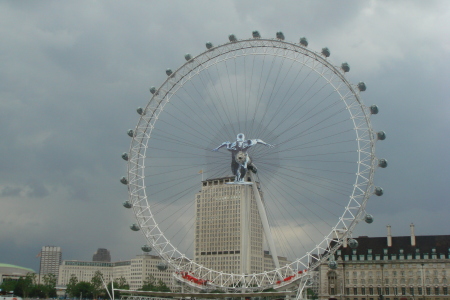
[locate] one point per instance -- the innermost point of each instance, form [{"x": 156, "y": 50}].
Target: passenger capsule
[
  {"x": 130, "y": 133},
  {"x": 374, "y": 109},
  {"x": 146, "y": 248},
  {"x": 169, "y": 72},
  {"x": 353, "y": 243},
  {"x": 124, "y": 180},
  {"x": 135, "y": 227},
  {"x": 209, "y": 45},
  {"x": 326, "y": 52},
  {"x": 187, "y": 57},
  {"x": 304, "y": 41},
  {"x": 152, "y": 90},
  {"x": 256, "y": 34},
  {"x": 332, "y": 265},
  {"x": 378, "y": 191},
  {"x": 280, "y": 35},
  {"x": 362, "y": 86},
  {"x": 381, "y": 135},
  {"x": 162, "y": 266},
  {"x": 382, "y": 163},
  {"x": 127, "y": 204},
  {"x": 368, "y": 218},
  {"x": 232, "y": 38},
  {"x": 140, "y": 111},
  {"x": 345, "y": 67},
  {"x": 125, "y": 156}
]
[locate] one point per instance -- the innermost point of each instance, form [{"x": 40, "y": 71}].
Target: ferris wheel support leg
[
  {"x": 265, "y": 222},
  {"x": 301, "y": 288}
]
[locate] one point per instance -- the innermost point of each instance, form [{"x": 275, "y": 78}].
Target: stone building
[{"x": 389, "y": 268}]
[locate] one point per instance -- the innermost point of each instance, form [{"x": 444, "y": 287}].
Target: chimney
[
  {"x": 389, "y": 236},
  {"x": 413, "y": 236}
]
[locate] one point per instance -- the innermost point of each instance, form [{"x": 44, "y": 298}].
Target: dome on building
[{"x": 13, "y": 272}]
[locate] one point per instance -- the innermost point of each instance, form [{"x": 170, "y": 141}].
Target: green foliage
[
  {"x": 83, "y": 289},
  {"x": 311, "y": 295},
  {"x": 25, "y": 285},
  {"x": 49, "y": 286},
  {"x": 119, "y": 283},
  {"x": 70, "y": 289},
  {"x": 149, "y": 284},
  {"x": 97, "y": 284},
  {"x": 162, "y": 287},
  {"x": 8, "y": 285}
]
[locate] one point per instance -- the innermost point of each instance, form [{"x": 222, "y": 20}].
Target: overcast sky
[{"x": 73, "y": 72}]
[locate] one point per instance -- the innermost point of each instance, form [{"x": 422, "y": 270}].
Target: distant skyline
[{"x": 73, "y": 74}]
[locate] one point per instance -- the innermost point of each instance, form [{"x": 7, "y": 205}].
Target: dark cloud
[
  {"x": 8, "y": 191},
  {"x": 73, "y": 74}
]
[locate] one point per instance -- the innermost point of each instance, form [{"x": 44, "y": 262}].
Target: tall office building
[
  {"x": 50, "y": 261},
  {"x": 229, "y": 232},
  {"x": 102, "y": 254}
]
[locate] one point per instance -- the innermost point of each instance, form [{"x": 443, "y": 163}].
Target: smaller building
[
  {"x": 102, "y": 254},
  {"x": 12, "y": 272},
  {"x": 389, "y": 268}
]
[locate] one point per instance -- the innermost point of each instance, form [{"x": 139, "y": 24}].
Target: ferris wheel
[{"x": 310, "y": 187}]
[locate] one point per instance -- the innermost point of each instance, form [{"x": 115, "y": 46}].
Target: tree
[
  {"x": 8, "y": 285},
  {"x": 96, "y": 283},
  {"x": 25, "y": 285},
  {"x": 70, "y": 288},
  {"x": 149, "y": 284},
  {"x": 119, "y": 283},
  {"x": 162, "y": 287},
  {"x": 83, "y": 289},
  {"x": 49, "y": 286}
]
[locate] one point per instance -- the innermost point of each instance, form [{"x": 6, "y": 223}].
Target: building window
[
  {"x": 436, "y": 290},
  {"x": 411, "y": 291},
  {"x": 428, "y": 289},
  {"x": 347, "y": 291},
  {"x": 370, "y": 291},
  {"x": 386, "y": 291},
  {"x": 445, "y": 290},
  {"x": 332, "y": 292},
  {"x": 355, "y": 291},
  {"x": 363, "y": 291}
]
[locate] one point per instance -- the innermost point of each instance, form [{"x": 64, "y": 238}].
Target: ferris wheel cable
[
  {"x": 211, "y": 122},
  {"x": 285, "y": 99},
  {"x": 295, "y": 191},
  {"x": 300, "y": 122},
  {"x": 299, "y": 102},
  {"x": 257, "y": 94},
  {"x": 220, "y": 100},
  {"x": 189, "y": 230},
  {"x": 181, "y": 209},
  {"x": 310, "y": 175},
  {"x": 204, "y": 101},
  {"x": 193, "y": 131},
  {"x": 274, "y": 221},
  {"x": 173, "y": 199},
  {"x": 316, "y": 146},
  {"x": 306, "y": 133},
  {"x": 231, "y": 90},
  {"x": 271, "y": 96},
  {"x": 285, "y": 192},
  {"x": 194, "y": 117}
]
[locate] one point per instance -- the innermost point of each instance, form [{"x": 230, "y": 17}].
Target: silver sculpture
[{"x": 240, "y": 161}]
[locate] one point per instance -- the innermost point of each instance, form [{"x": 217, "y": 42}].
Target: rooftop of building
[{"x": 2, "y": 265}]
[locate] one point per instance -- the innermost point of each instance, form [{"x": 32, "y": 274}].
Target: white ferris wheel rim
[{"x": 357, "y": 201}]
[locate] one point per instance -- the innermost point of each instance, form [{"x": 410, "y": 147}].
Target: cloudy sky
[{"x": 73, "y": 73}]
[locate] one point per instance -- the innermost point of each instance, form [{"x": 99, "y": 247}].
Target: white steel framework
[{"x": 198, "y": 130}]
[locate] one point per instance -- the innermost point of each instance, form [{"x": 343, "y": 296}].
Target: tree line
[{"x": 27, "y": 286}]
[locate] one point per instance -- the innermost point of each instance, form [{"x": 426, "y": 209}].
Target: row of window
[{"x": 392, "y": 291}]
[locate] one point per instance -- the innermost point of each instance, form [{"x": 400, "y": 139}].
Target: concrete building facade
[
  {"x": 228, "y": 229},
  {"x": 50, "y": 260},
  {"x": 390, "y": 268}
]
